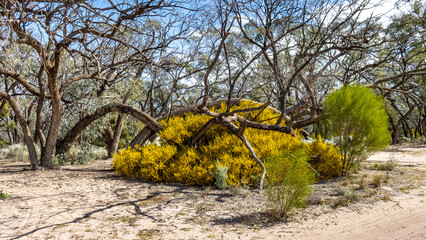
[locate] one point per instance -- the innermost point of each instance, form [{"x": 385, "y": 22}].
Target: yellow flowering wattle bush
[
  {"x": 327, "y": 161},
  {"x": 173, "y": 160},
  {"x": 155, "y": 161}
]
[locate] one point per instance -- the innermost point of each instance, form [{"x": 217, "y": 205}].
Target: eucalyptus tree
[
  {"x": 155, "y": 59},
  {"x": 395, "y": 67},
  {"x": 404, "y": 80},
  {"x": 89, "y": 33},
  {"x": 302, "y": 45}
]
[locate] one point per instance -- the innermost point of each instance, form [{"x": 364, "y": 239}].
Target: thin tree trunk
[
  {"x": 239, "y": 132},
  {"x": 396, "y": 133},
  {"x": 197, "y": 136},
  {"x": 15, "y": 131},
  {"x": 423, "y": 122},
  {"x": 116, "y": 136},
  {"x": 109, "y": 135},
  {"x": 117, "y": 132},
  {"x": 39, "y": 137},
  {"x": 9, "y": 133},
  {"x": 25, "y": 130}
]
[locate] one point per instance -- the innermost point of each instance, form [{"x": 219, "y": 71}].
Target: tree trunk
[
  {"x": 144, "y": 135},
  {"x": 39, "y": 137},
  {"x": 16, "y": 138},
  {"x": 396, "y": 133},
  {"x": 55, "y": 122},
  {"x": 109, "y": 135},
  {"x": 25, "y": 130},
  {"x": 116, "y": 137},
  {"x": 117, "y": 132},
  {"x": 239, "y": 132},
  {"x": 423, "y": 122},
  {"x": 9, "y": 133}
]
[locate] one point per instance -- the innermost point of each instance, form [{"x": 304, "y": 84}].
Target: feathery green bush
[
  {"x": 356, "y": 119},
  {"x": 289, "y": 182}
]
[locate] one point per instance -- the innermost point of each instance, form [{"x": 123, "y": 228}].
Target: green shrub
[
  {"x": 386, "y": 166},
  {"x": 80, "y": 154},
  {"x": 355, "y": 117},
  {"x": 16, "y": 152},
  {"x": 4, "y": 195},
  {"x": 193, "y": 165},
  {"x": 289, "y": 182},
  {"x": 220, "y": 175}
]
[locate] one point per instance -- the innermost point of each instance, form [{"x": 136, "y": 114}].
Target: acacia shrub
[
  {"x": 172, "y": 159},
  {"x": 357, "y": 121},
  {"x": 289, "y": 182}
]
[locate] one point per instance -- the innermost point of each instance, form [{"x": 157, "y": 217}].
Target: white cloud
[{"x": 384, "y": 9}]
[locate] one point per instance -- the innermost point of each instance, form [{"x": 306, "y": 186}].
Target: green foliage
[
  {"x": 98, "y": 137},
  {"x": 172, "y": 159},
  {"x": 5, "y": 122},
  {"x": 3, "y": 195},
  {"x": 220, "y": 175},
  {"x": 16, "y": 152},
  {"x": 386, "y": 166},
  {"x": 80, "y": 154},
  {"x": 355, "y": 117},
  {"x": 5, "y": 111},
  {"x": 289, "y": 182}
]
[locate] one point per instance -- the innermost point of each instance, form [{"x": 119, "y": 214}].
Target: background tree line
[{"x": 76, "y": 70}]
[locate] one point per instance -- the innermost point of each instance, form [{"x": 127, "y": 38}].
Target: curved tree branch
[{"x": 64, "y": 144}]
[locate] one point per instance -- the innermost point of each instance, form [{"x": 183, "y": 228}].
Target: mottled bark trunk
[{"x": 55, "y": 122}]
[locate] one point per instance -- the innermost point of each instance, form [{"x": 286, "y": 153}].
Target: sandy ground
[{"x": 92, "y": 202}]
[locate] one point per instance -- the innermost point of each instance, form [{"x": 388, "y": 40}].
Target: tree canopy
[{"x": 65, "y": 64}]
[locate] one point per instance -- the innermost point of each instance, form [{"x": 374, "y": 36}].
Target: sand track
[{"x": 92, "y": 202}]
